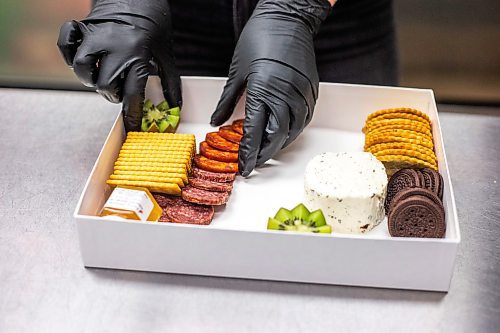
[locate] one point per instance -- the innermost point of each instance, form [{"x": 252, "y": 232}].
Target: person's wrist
[
  {"x": 310, "y": 12},
  {"x": 151, "y": 10}
]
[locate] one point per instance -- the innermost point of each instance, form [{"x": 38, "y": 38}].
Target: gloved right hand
[{"x": 113, "y": 48}]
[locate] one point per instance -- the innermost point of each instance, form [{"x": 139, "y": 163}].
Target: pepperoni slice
[
  {"x": 218, "y": 142},
  {"x": 216, "y": 154},
  {"x": 215, "y": 166},
  {"x": 237, "y": 126},
  {"x": 227, "y": 133}
]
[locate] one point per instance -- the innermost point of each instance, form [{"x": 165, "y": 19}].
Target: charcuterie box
[{"x": 237, "y": 244}]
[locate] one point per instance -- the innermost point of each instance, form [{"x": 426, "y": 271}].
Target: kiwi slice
[
  {"x": 151, "y": 120},
  {"x": 173, "y": 120},
  {"x": 160, "y": 118},
  {"x": 274, "y": 224},
  {"x": 299, "y": 219},
  {"x": 165, "y": 126},
  {"x": 283, "y": 214},
  {"x": 163, "y": 106},
  {"x": 300, "y": 212},
  {"x": 148, "y": 104},
  {"x": 325, "y": 229},
  {"x": 317, "y": 219},
  {"x": 175, "y": 111}
]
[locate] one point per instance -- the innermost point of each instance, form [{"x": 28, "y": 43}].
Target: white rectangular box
[{"x": 237, "y": 243}]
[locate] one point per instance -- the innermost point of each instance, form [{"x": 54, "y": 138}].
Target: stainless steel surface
[
  {"x": 443, "y": 47},
  {"x": 48, "y": 144}
]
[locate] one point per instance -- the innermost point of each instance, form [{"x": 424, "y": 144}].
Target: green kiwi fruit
[
  {"x": 148, "y": 104},
  {"x": 173, "y": 120},
  {"x": 175, "y": 111},
  {"x": 299, "y": 219},
  {"x": 283, "y": 214},
  {"x": 163, "y": 106},
  {"x": 300, "y": 212},
  {"x": 160, "y": 118},
  {"x": 317, "y": 219},
  {"x": 274, "y": 224}
]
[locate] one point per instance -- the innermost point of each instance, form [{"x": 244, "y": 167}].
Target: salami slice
[
  {"x": 164, "y": 217},
  {"x": 203, "y": 197},
  {"x": 237, "y": 126},
  {"x": 219, "y": 177},
  {"x": 227, "y": 133},
  {"x": 215, "y": 166},
  {"x": 218, "y": 142},
  {"x": 216, "y": 154},
  {"x": 189, "y": 213},
  {"x": 210, "y": 185},
  {"x": 165, "y": 200}
]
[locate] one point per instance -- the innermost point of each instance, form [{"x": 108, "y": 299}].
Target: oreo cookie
[
  {"x": 433, "y": 181},
  {"x": 404, "y": 178},
  {"x": 441, "y": 187},
  {"x": 414, "y": 204},
  {"x": 417, "y": 216},
  {"x": 409, "y": 192}
]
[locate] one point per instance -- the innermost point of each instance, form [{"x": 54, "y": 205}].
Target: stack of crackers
[
  {"x": 400, "y": 138},
  {"x": 159, "y": 162}
]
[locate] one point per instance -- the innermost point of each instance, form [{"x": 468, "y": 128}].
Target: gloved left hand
[
  {"x": 113, "y": 48},
  {"x": 274, "y": 58}
]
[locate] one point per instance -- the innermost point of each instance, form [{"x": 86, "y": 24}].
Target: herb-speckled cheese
[{"x": 349, "y": 188}]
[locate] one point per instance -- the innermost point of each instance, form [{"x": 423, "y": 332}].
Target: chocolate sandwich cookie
[
  {"x": 404, "y": 178},
  {"x": 422, "y": 179},
  {"x": 433, "y": 181},
  {"x": 441, "y": 187},
  {"x": 409, "y": 192},
  {"x": 417, "y": 216}
]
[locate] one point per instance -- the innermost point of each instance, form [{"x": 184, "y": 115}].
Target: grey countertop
[{"x": 49, "y": 142}]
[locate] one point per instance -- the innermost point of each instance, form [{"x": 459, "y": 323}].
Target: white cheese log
[{"x": 349, "y": 188}]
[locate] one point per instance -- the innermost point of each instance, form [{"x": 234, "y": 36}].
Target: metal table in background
[{"x": 49, "y": 142}]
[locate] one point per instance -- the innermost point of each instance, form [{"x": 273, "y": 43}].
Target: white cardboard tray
[{"x": 237, "y": 243}]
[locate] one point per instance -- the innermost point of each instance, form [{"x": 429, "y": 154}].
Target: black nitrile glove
[
  {"x": 274, "y": 59},
  {"x": 112, "y": 48}
]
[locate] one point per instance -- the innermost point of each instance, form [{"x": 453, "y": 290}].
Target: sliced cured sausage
[
  {"x": 219, "y": 177},
  {"x": 165, "y": 200},
  {"x": 215, "y": 166},
  {"x": 216, "y": 154},
  {"x": 237, "y": 126},
  {"x": 227, "y": 133},
  {"x": 210, "y": 185},
  {"x": 218, "y": 142},
  {"x": 203, "y": 197},
  {"x": 190, "y": 213}
]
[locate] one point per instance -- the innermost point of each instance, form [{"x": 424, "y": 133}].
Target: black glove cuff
[
  {"x": 153, "y": 11},
  {"x": 311, "y": 12}
]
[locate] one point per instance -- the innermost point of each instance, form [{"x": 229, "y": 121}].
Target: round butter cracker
[
  {"x": 410, "y": 127},
  {"x": 410, "y": 134},
  {"x": 410, "y": 153},
  {"x": 400, "y": 145},
  {"x": 410, "y": 111},
  {"x": 370, "y": 141},
  {"x": 404, "y": 162}
]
